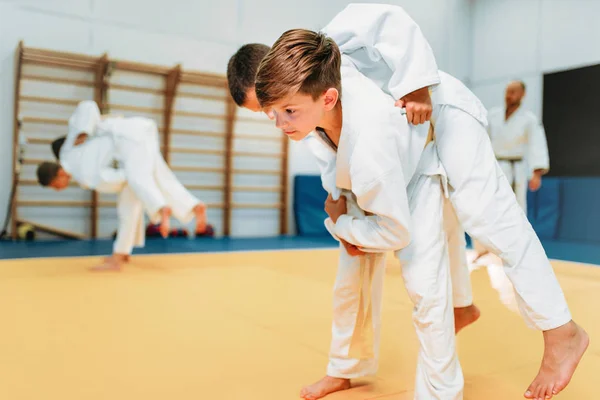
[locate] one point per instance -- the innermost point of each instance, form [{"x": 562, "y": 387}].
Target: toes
[
  {"x": 549, "y": 391},
  {"x": 541, "y": 395},
  {"x": 558, "y": 387},
  {"x": 530, "y": 391}
]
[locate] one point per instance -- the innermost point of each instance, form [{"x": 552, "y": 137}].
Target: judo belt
[
  {"x": 430, "y": 134},
  {"x": 512, "y": 161}
]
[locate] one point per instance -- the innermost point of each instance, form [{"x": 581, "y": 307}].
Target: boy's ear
[{"x": 330, "y": 98}]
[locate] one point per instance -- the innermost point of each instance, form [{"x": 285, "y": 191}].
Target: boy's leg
[
  {"x": 356, "y": 327},
  {"x": 465, "y": 312},
  {"x": 426, "y": 271},
  {"x": 130, "y": 232},
  {"x": 139, "y": 165},
  {"x": 488, "y": 210},
  {"x": 139, "y": 151},
  {"x": 185, "y": 206}
]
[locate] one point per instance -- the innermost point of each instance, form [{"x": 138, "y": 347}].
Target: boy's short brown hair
[
  {"x": 241, "y": 70},
  {"x": 47, "y": 172},
  {"x": 300, "y": 61}
]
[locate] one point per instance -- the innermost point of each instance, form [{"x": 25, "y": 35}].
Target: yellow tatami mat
[{"x": 242, "y": 326}]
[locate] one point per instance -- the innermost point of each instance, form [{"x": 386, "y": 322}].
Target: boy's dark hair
[
  {"x": 57, "y": 145},
  {"x": 300, "y": 61},
  {"x": 241, "y": 70},
  {"x": 46, "y": 172}
]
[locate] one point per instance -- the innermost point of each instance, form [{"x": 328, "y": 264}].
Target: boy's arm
[
  {"x": 82, "y": 123},
  {"x": 537, "y": 157},
  {"x": 387, "y": 224},
  {"x": 537, "y": 148}
]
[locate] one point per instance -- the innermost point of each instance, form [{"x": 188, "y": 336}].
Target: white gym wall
[{"x": 201, "y": 35}]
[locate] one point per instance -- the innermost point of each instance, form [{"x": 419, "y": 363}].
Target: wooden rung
[
  {"x": 196, "y": 169},
  {"x": 198, "y": 115},
  {"x": 52, "y": 230},
  {"x": 201, "y": 96},
  {"x": 197, "y": 133},
  {"x": 34, "y": 161},
  {"x": 257, "y": 205},
  {"x": 255, "y": 154},
  {"x": 31, "y": 140},
  {"x": 52, "y": 79},
  {"x": 52, "y": 121},
  {"x": 256, "y": 120},
  {"x": 183, "y": 150},
  {"x": 205, "y": 187},
  {"x": 49, "y": 56},
  {"x": 58, "y": 63},
  {"x": 55, "y": 53},
  {"x": 148, "y": 110},
  {"x": 203, "y": 79},
  {"x": 60, "y": 203},
  {"x": 256, "y": 188},
  {"x": 256, "y": 172},
  {"x": 50, "y": 100},
  {"x": 258, "y": 137},
  {"x": 141, "y": 67},
  {"x": 214, "y": 205},
  {"x": 31, "y": 182},
  {"x": 116, "y": 86}
]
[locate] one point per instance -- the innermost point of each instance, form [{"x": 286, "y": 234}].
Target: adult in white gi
[
  {"x": 519, "y": 143},
  {"x": 379, "y": 161},
  {"x": 144, "y": 181},
  {"x": 375, "y": 39}
]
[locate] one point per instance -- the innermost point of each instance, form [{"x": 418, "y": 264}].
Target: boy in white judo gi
[
  {"x": 395, "y": 181},
  {"x": 144, "y": 182}
]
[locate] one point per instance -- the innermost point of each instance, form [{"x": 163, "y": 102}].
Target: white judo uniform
[
  {"x": 385, "y": 171},
  {"x": 386, "y": 45},
  {"x": 520, "y": 147},
  {"x": 144, "y": 181}
]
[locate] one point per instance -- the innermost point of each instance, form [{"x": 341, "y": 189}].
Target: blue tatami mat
[{"x": 80, "y": 248}]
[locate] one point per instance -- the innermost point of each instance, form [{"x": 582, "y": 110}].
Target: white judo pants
[
  {"x": 149, "y": 176},
  {"x": 488, "y": 210},
  {"x": 425, "y": 267},
  {"x": 516, "y": 174},
  {"x": 132, "y": 231}
]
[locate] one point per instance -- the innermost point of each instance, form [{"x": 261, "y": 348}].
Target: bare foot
[
  {"x": 325, "y": 386},
  {"x": 165, "y": 222},
  {"x": 465, "y": 316},
  {"x": 112, "y": 263},
  {"x": 563, "y": 349},
  {"x": 480, "y": 255},
  {"x": 200, "y": 211},
  {"x": 125, "y": 258}
]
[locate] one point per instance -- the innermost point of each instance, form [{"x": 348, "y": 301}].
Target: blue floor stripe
[
  {"x": 588, "y": 253},
  {"x": 578, "y": 252},
  {"x": 70, "y": 248}
]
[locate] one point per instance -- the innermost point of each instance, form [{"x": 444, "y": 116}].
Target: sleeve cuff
[
  {"x": 342, "y": 227},
  {"x": 402, "y": 90}
]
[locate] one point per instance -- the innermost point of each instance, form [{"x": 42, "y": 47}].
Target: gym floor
[{"x": 210, "y": 319}]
